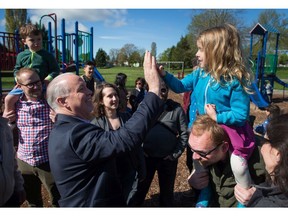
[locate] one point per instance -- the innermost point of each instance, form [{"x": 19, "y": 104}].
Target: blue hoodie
[{"x": 231, "y": 100}]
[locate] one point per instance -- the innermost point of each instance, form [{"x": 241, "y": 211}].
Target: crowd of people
[{"x": 94, "y": 144}]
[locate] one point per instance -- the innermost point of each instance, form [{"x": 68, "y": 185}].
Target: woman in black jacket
[
  {"x": 274, "y": 192},
  {"x": 130, "y": 165}
]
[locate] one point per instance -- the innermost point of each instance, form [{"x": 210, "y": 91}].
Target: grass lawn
[
  {"x": 109, "y": 75},
  {"x": 132, "y": 73}
]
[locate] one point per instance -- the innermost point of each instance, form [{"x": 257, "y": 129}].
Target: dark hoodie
[
  {"x": 169, "y": 135},
  {"x": 268, "y": 196}
]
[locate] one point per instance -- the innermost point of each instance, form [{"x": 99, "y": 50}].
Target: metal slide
[
  {"x": 97, "y": 75},
  {"x": 276, "y": 79},
  {"x": 257, "y": 97}
]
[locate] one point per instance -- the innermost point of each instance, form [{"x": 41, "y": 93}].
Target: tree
[
  {"x": 167, "y": 54},
  {"x": 14, "y": 19},
  {"x": 101, "y": 58},
  {"x": 142, "y": 54},
  {"x": 85, "y": 57},
  {"x": 134, "y": 58},
  {"x": 113, "y": 53},
  {"x": 278, "y": 21},
  {"x": 125, "y": 53},
  {"x": 154, "y": 49},
  {"x": 186, "y": 49},
  {"x": 214, "y": 17},
  {"x": 184, "y": 52},
  {"x": 128, "y": 49},
  {"x": 122, "y": 57},
  {"x": 283, "y": 59}
]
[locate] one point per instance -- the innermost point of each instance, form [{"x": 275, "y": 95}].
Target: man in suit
[{"x": 82, "y": 155}]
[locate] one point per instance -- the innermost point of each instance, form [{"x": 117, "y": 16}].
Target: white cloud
[
  {"x": 111, "y": 17},
  {"x": 70, "y": 27},
  {"x": 111, "y": 37},
  {"x": 118, "y": 23}
]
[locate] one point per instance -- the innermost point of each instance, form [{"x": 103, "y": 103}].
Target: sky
[{"x": 115, "y": 27}]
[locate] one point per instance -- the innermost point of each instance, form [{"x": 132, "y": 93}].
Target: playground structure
[
  {"x": 71, "y": 50},
  {"x": 264, "y": 65}
]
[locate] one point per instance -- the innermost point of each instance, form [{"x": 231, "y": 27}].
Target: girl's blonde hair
[{"x": 224, "y": 60}]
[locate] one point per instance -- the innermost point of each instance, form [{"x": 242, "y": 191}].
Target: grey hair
[{"x": 58, "y": 88}]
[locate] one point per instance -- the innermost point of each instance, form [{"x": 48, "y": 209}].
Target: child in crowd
[
  {"x": 271, "y": 111},
  {"x": 268, "y": 90},
  {"x": 137, "y": 94},
  {"x": 33, "y": 57},
  {"x": 221, "y": 85},
  {"x": 120, "y": 82},
  {"x": 88, "y": 78}
]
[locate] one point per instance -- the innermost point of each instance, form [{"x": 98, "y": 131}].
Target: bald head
[
  {"x": 59, "y": 87},
  {"x": 67, "y": 94}
]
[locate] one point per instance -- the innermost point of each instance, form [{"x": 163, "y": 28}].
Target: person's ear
[
  {"x": 225, "y": 146},
  {"x": 18, "y": 85},
  {"x": 61, "y": 101},
  {"x": 277, "y": 155}
]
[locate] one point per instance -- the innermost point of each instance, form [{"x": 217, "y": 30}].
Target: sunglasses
[
  {"x": 205, "y": 154},
  {"x": 163, "y": 90},
  {"x": 32, "y": 85}
]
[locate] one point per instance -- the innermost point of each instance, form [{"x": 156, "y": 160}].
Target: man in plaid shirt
[{"x": 34, "y": 126}]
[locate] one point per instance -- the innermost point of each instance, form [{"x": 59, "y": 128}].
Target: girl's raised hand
[{"x": 211, "y": 111}]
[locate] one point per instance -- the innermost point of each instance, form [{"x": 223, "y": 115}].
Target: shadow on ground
[{"x": 181, "y": 200}]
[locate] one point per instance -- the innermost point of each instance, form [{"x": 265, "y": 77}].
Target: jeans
[{"x": 33, "y": 178}]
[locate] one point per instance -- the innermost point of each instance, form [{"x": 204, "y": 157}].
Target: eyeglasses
[
  {"x": 139, "y": 83},
  {"x": 204, "y": 154},
  {"x": 33, "y": 84}
]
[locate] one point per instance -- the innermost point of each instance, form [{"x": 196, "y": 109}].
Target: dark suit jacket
[{"x": 82, "y": 155}]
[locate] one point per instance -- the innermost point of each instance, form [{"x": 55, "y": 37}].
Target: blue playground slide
[
  {"x": 257, "y": 98},
  {"x": 276, "y": 79},
  {"x": 97, "y": 75}
]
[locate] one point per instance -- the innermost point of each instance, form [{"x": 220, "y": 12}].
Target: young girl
[{"x": 221, "y": 85}]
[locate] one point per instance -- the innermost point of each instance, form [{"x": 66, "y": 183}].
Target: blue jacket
[
  {"x": 231, "y": 100},
  {"x": 83, "y": 156}
]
